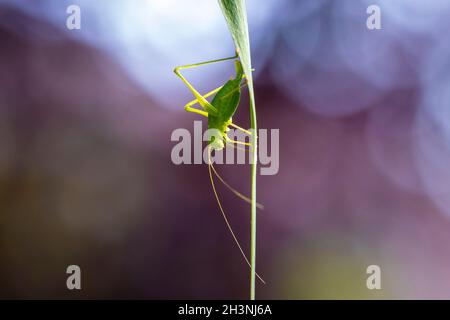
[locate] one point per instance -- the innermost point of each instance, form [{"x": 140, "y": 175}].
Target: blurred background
[{"x": 86, "y": 176}]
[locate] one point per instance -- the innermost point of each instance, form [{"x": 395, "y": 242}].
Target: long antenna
[
  {"x": 237, "y": 193},
  {"x": 224, "y": 215}
]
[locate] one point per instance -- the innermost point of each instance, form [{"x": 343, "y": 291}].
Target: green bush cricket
[{"x": 219, "y": 113}]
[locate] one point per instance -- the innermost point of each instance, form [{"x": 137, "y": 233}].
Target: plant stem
[
  {"x": 254, "y": 164},
  {"x": 236, "y": 17}
]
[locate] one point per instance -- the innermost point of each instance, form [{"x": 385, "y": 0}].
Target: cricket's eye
[{"x": 216, "y": 144}]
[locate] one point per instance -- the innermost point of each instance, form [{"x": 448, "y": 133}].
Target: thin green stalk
[
  {"x": 236, "y": 17},
  {"x": 254, "y": 164}
]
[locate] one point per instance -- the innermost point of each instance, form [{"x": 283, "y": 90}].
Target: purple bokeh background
[{"x": 86, "y": 176}]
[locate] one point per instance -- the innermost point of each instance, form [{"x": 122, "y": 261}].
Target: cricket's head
[{"x": 216, "y": 143}]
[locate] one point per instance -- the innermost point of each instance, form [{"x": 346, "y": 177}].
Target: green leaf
[{"x": 236, "y": 16}]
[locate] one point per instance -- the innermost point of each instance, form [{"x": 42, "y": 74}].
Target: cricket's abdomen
[{"x": 226, "y": 102}]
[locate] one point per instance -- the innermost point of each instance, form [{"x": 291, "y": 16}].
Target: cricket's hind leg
[
  {"x": 188, "y": 107},
  {"x": 202, "y": 101}
]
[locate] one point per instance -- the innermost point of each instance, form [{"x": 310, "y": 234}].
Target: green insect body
[
  {"x": 222, "y": 107},
  {"x": 219, "y": 113},
  {"x": 226, "y": 102}
]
